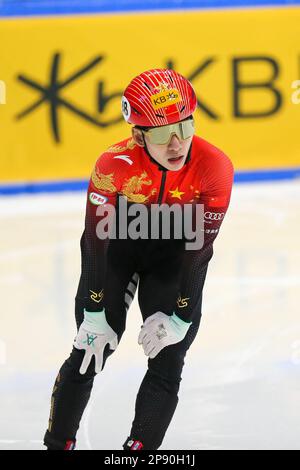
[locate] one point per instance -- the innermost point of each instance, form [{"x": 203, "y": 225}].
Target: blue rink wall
[
  {"x": 62, "y": 7},
  {"x": 82, "y": 185}
]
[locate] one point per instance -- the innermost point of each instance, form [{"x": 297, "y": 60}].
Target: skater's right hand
[{"x": 93, "y": 335}]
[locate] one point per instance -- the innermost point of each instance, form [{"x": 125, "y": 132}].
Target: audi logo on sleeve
[{"x": 214, "y": 215}]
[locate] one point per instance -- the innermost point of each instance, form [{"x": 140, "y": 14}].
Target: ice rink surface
[{"x": 241, "y": 381}]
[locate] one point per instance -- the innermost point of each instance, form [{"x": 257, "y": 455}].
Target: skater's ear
[{"x": 138, "y": 137}]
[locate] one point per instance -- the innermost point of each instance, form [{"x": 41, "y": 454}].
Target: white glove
[
  {"x": 160, "y": 330},
  {"x": 93, "y": 335}
]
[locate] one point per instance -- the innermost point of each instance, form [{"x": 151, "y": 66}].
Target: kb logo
[{"x": 2, "y": 92}]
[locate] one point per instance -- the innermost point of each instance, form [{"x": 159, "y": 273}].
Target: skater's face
[{"x": 175, "y": 140}]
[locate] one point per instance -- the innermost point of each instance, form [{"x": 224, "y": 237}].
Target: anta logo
[
  {"x": 97, "y": 297},
  {"x": 165, "y": 98},
  {"x": 182, "y": 302}
]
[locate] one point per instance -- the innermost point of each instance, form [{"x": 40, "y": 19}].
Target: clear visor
[{"x": 162, "y": 135}]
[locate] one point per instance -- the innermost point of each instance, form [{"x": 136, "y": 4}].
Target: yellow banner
[{"x": 61, "y": 82}]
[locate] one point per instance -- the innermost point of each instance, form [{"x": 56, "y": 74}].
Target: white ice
[{"x": 241, "y": 381}]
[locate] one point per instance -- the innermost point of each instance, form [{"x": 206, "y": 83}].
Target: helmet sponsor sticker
[
  {"x": 165, "y": 98},
  {"x": 126, "y": 108},
  {"x": 97, "y": 199}
]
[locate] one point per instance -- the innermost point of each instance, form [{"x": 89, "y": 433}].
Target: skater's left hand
[{"x": 160, "y": 330}]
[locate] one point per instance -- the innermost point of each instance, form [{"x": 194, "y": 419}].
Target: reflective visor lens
[{"x": 162, "y": 135}]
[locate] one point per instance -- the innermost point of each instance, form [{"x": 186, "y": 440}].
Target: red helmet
[{"x": 158, "y": 97}]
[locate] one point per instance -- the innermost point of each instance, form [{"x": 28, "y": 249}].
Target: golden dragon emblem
[
  {"x": 132, "y": 187},
  {"x": 104, "y": 182},
  {"x": 118, "y": 148}
]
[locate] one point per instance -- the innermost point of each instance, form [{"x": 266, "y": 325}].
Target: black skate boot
[{"x": 132, "y": 444}]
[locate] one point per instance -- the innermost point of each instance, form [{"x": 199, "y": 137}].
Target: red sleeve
[
  {"x": 215, "y": 195},
  {"x": 102, "y": 191}
]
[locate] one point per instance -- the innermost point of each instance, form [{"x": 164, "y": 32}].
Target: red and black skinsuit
[{"x": 171, "y": 278}]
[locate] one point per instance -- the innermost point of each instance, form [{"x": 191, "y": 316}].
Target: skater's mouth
[{"x": 174, "y": 160}]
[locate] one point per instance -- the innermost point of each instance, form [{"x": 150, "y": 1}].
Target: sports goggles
[{"x": 162, "y": 135}]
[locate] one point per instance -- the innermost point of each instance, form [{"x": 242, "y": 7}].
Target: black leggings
[{"x": 158, "y": 394}]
